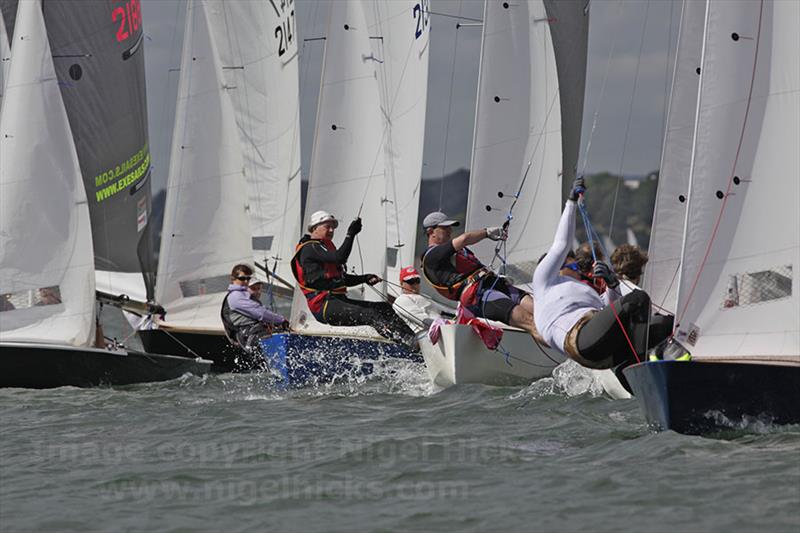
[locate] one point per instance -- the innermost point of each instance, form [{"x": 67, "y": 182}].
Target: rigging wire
[{"x": 449, "y": 109}]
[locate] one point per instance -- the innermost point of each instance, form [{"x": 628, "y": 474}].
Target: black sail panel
[{"x": 98, "y": 51}]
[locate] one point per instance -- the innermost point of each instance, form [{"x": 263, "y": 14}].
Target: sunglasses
[
  {"x": 414, "y": 281},
  {"x": 244, "y": 278},
  {"x": 572, "y": 266}
]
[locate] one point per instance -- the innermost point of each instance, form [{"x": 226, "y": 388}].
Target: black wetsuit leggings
[
  {"x": 342, "y": 311},
  {"x": 601, "y": 340}
]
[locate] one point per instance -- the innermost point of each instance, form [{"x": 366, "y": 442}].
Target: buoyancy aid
[
  {"x": 237, "y": 326},
  {"x": 331, "y": 271},
  {"x": 464, "y": 288}
]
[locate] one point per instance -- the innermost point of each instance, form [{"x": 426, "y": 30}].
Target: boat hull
[
  {"x": 461, "y": 357},
  {"x": 299, "y": 360},
  {"x": 208, "y": 345},
  {"x": 41, "y": 366},
  {"x": 701, "y": 397}
]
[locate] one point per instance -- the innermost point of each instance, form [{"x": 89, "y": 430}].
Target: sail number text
[
  {"x": 284, "y": 31},
  {"x": 422, "y": 14},
  {"x": 128, "y": 19}
]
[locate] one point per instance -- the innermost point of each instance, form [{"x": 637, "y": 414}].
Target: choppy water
[{"x": 388, "y": 453}]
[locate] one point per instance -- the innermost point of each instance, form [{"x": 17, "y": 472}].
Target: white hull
[{"x": 461, "y": 357}]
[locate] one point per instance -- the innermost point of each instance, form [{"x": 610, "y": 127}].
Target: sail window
[
  {"x": 391, "y": 257},
  {"x": 752, "y": 288},
  {"x": 30, "y": 298},
  {"x": 263, "y": 243},
  {"x": 199, "y": 287}
]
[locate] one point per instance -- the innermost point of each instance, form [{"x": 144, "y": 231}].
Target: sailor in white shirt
[{"x": 416, "y": 310}]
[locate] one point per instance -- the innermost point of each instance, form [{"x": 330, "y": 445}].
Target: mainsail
[
  {"x": 666, "y": 237},
  {"x": 400, "y": 36},
  {"x": 46, "y": 262},
  {"x": 98, "y": 51},
  {"x": 739, "y": 294},
  {"x": 257, "y": 47},
  {"x": 526, "y": 135},
  {"x": 347, "y": 164},
  {"x": 206, "y": 226}
]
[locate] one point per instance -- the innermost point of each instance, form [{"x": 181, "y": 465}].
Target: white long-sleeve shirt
[{"x": 561, "y": 301}]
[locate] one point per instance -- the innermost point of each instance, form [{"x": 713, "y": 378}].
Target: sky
[{"x": 631, "y": 49}]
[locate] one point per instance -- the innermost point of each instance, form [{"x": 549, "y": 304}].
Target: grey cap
[{"x": 437, "y": 218}]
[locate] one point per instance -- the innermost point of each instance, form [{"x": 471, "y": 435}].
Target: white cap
[
  {"x": 255, "y": 280},
  {"x": 319, "y": 217}
]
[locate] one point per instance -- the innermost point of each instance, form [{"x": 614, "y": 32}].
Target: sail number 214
[{"x": 284, "y": 31}]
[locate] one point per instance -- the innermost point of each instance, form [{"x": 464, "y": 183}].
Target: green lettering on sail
[{"x": 123, "y": 175}]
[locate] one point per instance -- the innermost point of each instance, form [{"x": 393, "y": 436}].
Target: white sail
[
  {"x": 347, "y": 164},
  {"x": 46, "y": 258},
  {"x": 666, "y": 237},
  {"x": 206, "y": 227},
  {"x": 400, "y": 32},
  {"x": 739, "y": 294},
  {"x": 257, "y": 46},
  {"x": 517, "y": 133}
]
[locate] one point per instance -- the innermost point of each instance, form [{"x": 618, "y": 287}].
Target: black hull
[
  {"x": 38, "y": 366},
  {"x": 212, "y": 346},
  {"x": 696, "y": 398}
]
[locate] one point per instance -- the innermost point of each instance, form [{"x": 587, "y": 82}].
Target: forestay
[
  {"x": 98, "y": 49},
  {"x": 738, "y": 292},
  {"x": 666, "y": 237},
  {"x": 46, "y": 261},
  {"x": 206, "y": 227},
  {"x": 347, "y": 162},
  {"x": 400, "y": 36},
  {"x": 257, "y": 47}
]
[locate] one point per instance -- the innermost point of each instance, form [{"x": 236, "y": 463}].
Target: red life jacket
[
  {"x": 333, "y": 271},
  {"x": 469, "y": 268}
]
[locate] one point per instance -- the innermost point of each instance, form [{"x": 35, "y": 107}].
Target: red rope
[{"x": 633, "y": 350}]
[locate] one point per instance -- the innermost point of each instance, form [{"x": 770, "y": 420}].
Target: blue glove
[{"x": 578, "y": 188}]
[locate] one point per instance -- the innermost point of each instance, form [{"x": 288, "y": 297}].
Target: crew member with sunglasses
[
  {"x": 319, "y": 268},
  {"x": 597, "y": 331},
  {"x": 416, "y": 310},
  {"x": 246, "y": 321}
]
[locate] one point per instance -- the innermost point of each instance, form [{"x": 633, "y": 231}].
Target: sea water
[{"x": 384, "y": 453}]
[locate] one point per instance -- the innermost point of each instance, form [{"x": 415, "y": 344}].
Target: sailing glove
[
  {"x": 354, "y": 228},
  {"x": 578, "y": 188},
  {"x": 603, "y": 271},
  {"x": 373, "y": 280},
  {"x": 497, "y": 233}
]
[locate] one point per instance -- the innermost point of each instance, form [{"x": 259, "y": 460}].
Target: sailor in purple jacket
[{"x": 246, "y": 321}]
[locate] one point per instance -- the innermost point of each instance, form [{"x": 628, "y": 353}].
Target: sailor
[
  {"x": 246, "y": 321},
  {"x": 457, "y": 274},
  {"x": 596, "y": 331},
  {"x": 417, "y": 310},
  {"x": 629, "y": 262},
  {"x": 319, "y": 268}
]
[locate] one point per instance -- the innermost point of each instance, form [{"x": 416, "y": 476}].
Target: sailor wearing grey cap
[{"x": 457, "y": 274}]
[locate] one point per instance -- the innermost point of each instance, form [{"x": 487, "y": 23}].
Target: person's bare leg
[
  {"x": 522, "y": 318},
  {"x": 527, "y": 303}
]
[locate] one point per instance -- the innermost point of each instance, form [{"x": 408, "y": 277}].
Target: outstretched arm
[
  {"x": 468, "y": 238},
  {"x": 565, "y": 234}
]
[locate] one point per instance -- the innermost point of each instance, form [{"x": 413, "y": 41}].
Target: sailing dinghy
[
  {"x": 47, "y": 290},
  {"x": 527, "y": 135},
  {"x": 736, "y": 254}
]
